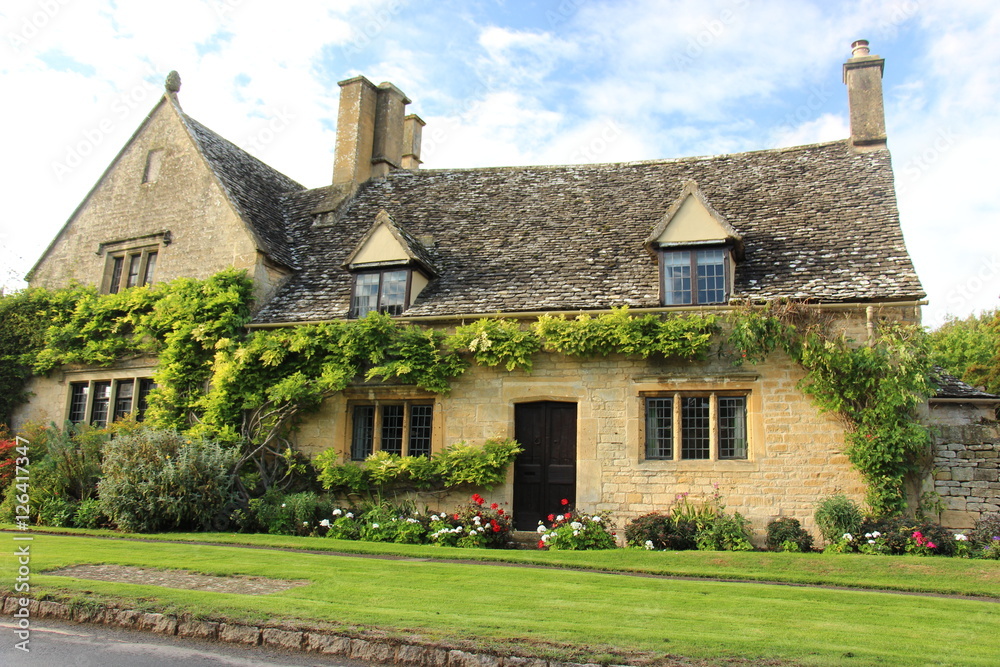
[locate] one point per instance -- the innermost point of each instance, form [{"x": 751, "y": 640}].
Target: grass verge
[{"x": 562, "y": 613}]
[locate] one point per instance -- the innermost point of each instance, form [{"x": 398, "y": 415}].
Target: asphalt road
[{"x": 58, "y": 644}]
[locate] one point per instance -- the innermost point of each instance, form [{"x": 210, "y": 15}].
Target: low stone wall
[{"x": 967, "y": 472}]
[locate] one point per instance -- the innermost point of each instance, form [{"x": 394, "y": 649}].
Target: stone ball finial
[{"x": 173, "y": 82}]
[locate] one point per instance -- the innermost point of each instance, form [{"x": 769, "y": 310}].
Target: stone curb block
[{"x": 373, "y": 651}]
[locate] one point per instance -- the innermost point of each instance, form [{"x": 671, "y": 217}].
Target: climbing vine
[{"x": 875, "y": 388}]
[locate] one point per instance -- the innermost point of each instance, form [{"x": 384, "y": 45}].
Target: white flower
[
  {"x": 434, "y": 517},
  {"x": 374, "y": 525},
  {"x": 576, "y": 532},
  {"x": 596, "y": 519},
  {"x": 458, "y": 529},
  {"x": 649, "y": 545},
  {"x": 282, "y": 504},
  {"x": 868, "y": 535},
  {"x": 476, "y": 520},
  {"x": 305, "y": 523},
  {"x": 871, "y": 541},
  {"x": 337, "y": 512},
  {"x": 411, "y": 520},
  {"x": 541, "y": 528},
  {"x": 959, "y": 537},
  {"x": 848, "y": 537},
  {"x": 876, "y": 534},
  {"x": 560, "y": 517},
  {"x": 350, "y": 515},
  {"x": 576, "y": 525},
  {"x": 325, "y": 523},
  {"x": 546, "y": 538}
]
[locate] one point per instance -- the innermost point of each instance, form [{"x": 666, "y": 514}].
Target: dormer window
[
  {"x": 694, "y": 277},
  {"x": 696, "y": 249},
  {"x": 390, "y": 267},
  {"x": 380, "y": 291}
]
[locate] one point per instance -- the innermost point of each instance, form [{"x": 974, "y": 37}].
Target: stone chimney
[
  {"x": 413, "y": 127},
  {"x": 370, "y": 132},
  {"x": 863, "y": 76}
]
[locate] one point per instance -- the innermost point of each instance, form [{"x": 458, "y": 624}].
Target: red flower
[
  {"x": 568, "y": 516},
  {"x": 552, "y": 517},
  {"x": 455, "y": 516},
  {"x": 564, "y": 501},
  {"x": 500, "y": 512},
  {"x": 478, "y": 499},
  {"x": 494, "y": 506},
  {"x": 496, "y": 526},
  {"x": 541, "y": 544}
]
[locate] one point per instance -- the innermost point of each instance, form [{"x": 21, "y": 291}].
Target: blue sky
[{"x": 507, "y": 82}]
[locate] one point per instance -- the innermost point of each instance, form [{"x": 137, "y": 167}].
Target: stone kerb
[{"x": 375, "y": 651}]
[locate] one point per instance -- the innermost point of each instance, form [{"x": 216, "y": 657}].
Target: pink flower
[{"x": 931, "y": 545}]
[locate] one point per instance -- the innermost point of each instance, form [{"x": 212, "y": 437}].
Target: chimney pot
[{"x": 860, "y": 48}]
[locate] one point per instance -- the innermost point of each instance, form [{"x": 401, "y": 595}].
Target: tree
[{"x": 970, "y": 349}]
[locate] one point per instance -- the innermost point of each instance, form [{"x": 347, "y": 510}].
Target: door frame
[{"x": 517, "y": 490}]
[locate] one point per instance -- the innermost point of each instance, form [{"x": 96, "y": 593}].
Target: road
[{"x": 55, "y": 643}]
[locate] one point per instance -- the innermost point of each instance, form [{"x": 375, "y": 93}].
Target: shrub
[
  {"x": 726, "y": 533},
  {"x": 662, "y": 531},
  {"x": 572, "y": 531},
  {"x": 89, "y": 515},
  {"x": 986, "y": 530},
  {"x": 57, "y": 511},
  {"x": 836, "y": 516},
  {"x": 474, "y": 525},
  {"x": 343, "y": 526},
  {"x": 157, "y": 480},
  {"x": 787, "y": 534},
  {"x": 287, "y": 514}
]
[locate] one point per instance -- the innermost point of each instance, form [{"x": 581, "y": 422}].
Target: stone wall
[
  {"x": 967, "y": 472},
  {"x": 795, "y": 457}
]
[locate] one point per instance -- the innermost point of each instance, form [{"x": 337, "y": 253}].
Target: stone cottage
[{"x": 814, "y": 223}]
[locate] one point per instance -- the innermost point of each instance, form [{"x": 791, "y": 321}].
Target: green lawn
[{"x": 548, "y": 610}]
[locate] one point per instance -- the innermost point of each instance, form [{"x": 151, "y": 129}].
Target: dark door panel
[{"x": 545, "y": 472}]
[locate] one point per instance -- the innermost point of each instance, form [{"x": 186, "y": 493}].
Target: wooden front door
[{"x": 545, "y": 472}]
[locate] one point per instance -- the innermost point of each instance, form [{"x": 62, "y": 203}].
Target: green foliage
[
  {"x": 787, "y": 534},
  {"x": 24, "y": 318},
  {"x": 457, "y": 465},
  {"x": 157, "y": 480},
  {"x": 276, "y": 513},
  {"x": 89, "y": 515},
  {"x": 661, "y": 531},
  {"x": 986, "y": 535},
  {"x": 970, "y": 349},
  {"x": 836, "y": 516},
  {"x": 876, "y": 388},
  {"x": 679, "y": 337},
  {"x": 494, "y": 341},
  {"x": 573, "y": 531},
  {"x": 727, "y": 532}
]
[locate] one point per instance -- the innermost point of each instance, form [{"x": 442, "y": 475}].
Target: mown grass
[
  {"x": 944, "y": 576},
  {"x": 548, "y": 611}
]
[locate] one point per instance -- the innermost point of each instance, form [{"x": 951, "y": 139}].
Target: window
[
  {"x": 130, "y": 269},
  {"x": 402, "y": 428},
  {"x": 100, "y": 401},
  {"x": 694, "y": 277},
  {"x": 382, "y": 291},
  {"x": 702, "y": 424},
  {"x": 154, "y": 160}
]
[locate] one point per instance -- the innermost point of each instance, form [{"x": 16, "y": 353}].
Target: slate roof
[
  {"x": 254, "y": 188},
  {"x": 950, "y": 386},
  {"x": 818, "y": 223}
]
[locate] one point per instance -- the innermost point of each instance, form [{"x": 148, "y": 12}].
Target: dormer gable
[
  {"x": 390, "y": 268},
  {"x": 696, "y": 250},
  {"x": 692, "y": 221}
]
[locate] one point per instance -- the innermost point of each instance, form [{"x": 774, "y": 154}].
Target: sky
[{"x": 517, "y": 82}]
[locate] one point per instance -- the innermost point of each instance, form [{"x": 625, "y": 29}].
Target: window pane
[
  {"x": 393, "y": 292},
  {"x": 676, "y": 278},
  {"x": 392, "y": 429},
  {"x": 365, "y": 294},
  {"x": 101, "y": 403},
  {"x": 363, "y": 432},
  {"x": 133, "y": 270},
  {"x": 78, "y": 402},
  {"x": 116, "y": 275},
  {"x": 123, "y": 399},
  {"x": 146, "y": 385},
  {"x": 733, "y": 427},
  {"x": 659, "y": 428},
  {"x": 421, "y": 418},
  {"x": 695, "y": 437},
  {"x": 711, "y": 276},
  {"x": 147, "y": 277}
]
